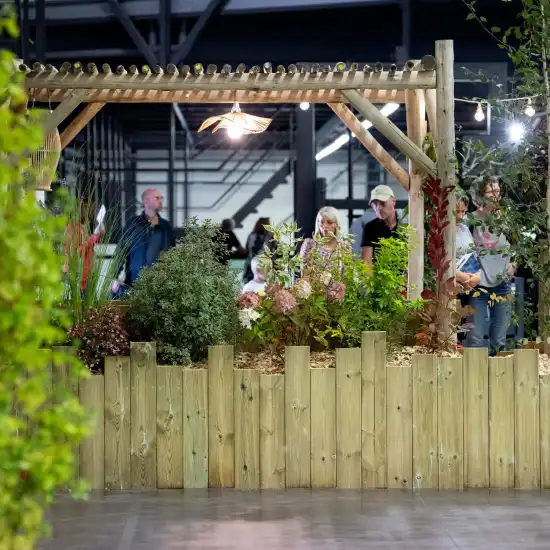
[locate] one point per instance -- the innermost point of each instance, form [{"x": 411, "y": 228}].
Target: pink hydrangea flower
[
  {"x": 284, "y": 301},
  {"x": 248, "y": 300},
  {"x": 272, "y": 289},
  {"x": 336, "y": 291}
]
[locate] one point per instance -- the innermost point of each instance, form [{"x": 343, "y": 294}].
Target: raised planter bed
[{"x": 448, "y": 423}]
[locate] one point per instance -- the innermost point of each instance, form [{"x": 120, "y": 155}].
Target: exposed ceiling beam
[
  {"x": 214, "y": 7},
  {"x": 68, "y": 11},
  {"x": 122, "y": 15}
]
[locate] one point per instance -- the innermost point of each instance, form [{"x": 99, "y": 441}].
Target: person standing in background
[
  {"x": 491, "y": 298},
  {"x": 255, "y": 246},
  {"x": 232, "y": 249},
  {"x": 145, "y": 237},
  {"x": 385, "y": 225}
]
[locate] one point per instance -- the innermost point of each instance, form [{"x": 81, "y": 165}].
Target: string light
[
  {"x": 529, "y": 109},
  {"x": 516, "y": 131},
  {"x": 480, "y": 115},
  {"x": 304, "y": 105}
]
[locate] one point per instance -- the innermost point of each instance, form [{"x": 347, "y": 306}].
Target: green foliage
[
  {"x": 333, "y": 302},
  {"x": 78, "y": 245},
  {"x": 38, "y": 430},
  {"x": 186, "y": 301}
]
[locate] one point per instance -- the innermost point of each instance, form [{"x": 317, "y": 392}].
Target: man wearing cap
[{"x": 384, "y": 226}]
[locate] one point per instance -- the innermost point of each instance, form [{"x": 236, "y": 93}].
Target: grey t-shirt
[{"x": 493, "y": 253}]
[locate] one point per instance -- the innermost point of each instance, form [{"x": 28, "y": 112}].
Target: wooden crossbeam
[
  {"x": 79, "y": 122},
  {"x": 370, "y": 143},
  {"x": 358, "y": 80},
  {"x": 296, "y": 96},
  {"x": 390, "y": 130},
  {"x": 63, "y": 110}
]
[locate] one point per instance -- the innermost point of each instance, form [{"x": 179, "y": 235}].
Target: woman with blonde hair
[{"x": 327, "y": 238}]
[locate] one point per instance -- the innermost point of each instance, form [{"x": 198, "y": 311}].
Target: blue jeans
[{"x": 492, "y": 319}]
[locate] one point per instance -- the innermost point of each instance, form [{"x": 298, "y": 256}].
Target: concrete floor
[{"x": 303, "y": 519}]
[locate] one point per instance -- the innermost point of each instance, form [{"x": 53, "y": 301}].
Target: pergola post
[
  {"x": 445, "y": 144},
  {"x": 416, "y": 130}
]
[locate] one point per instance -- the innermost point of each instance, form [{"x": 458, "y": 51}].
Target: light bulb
[
  {"x": 304, "y": 105},
  {"x": 234, "y": 131},
  {"x": 480, "y": 115},
  {"x": 516, "y": 131},
  {"x": 529, "y": 109}
]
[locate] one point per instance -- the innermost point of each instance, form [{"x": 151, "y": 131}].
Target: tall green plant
[
  {"x": 525, "y": 169},
  {"x": 83, "y": 247},
  {"x": 39, "y": 430}
]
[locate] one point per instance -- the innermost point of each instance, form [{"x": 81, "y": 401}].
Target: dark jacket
[{"x": 137, "y": 235}]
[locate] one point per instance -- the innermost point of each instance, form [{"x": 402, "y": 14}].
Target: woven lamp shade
[{"x": 44, "y": 162}]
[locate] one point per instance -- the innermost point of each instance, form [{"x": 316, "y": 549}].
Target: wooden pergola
[{"x": 426, "y": 87}]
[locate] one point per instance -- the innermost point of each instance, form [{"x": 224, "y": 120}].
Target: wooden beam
[
  {"x": 357, "y": 80},
  {"x": 372, "y": 146},
  {"x": 390, "y": 131},
  {"x": 143, "y": 96},
  {"x": 79, "y": 122},
  {"x": 445, "y": 150},
  {"x": 431, "y": 107},
  {"x": 416, "y": 130},
  {"x": 63, "y": 110}
]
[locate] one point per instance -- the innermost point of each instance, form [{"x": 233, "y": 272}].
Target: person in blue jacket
[{"x": 145, "y": 236}]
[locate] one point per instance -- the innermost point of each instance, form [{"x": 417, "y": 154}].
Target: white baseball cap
[{"x": 381, "y": 193}]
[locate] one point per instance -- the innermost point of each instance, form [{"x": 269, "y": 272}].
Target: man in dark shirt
[{"x": 382, "y": 200}]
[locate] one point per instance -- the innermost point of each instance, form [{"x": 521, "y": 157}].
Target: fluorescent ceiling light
[{"x": 387, "y": 110}]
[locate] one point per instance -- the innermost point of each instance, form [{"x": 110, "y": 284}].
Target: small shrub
[
  {"x": 187, "y": 300},
  {"x": 101, "y": 333}
]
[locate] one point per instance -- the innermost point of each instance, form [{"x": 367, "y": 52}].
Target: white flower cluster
[
  {"x": 303, "y": 289},
  {"x": 247, "y": 316}
]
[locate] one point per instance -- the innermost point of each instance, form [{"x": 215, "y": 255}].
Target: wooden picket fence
[{"x": 445, "y": 423}]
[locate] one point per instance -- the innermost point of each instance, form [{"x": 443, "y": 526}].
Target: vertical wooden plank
[
  {"x": 63, "y": 382},
  {"x": 169, "y": 427},
  {"x": 195, "y": 428},
  {"x": 247, "y": 429},
  {"x": 348, "y": 418},
  {"x": 450, "y": 409},
  {"x": 323, "y": 428},
  {"x": 476, "y": 418},
  {"x": 92, "y": 450},
  {"x": 297, "y": 417},
  {"x": 425, "y": 439},
  {"x": 117, "y": 423},
  {"x": 501, "y": 423},
  {"x": 221, "y": 421},
  {"x": 527, "y": 419},
  {"x": 118, "y": 473},
  {"x": 545, "y": 431},
  {"x": 373, "y": 409},
  {"x": 399, "y": 421},
  {"x": 143, "y": 407},
  {"x": 272, "y": 431}
]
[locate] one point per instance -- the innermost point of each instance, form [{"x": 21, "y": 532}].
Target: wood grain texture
[
  {"x": 221, "y": 421},
  {"x": 92, "y": 450},
  {"x": 195, "y": 428},
  {"x": 118, "y": 471},
  {"x": 169, "y": 427},
  {"x": 501, "y": 423},
  {"x": 348, "y": 418},
  {"x": 247, "y": 429},
  {"x": 323, "y": 428},
  {"x": 399, "y": 428},
  {"x": 143, "y": 407},
  {"x": 297, "y": 417},
  {"x": 476, "y": 418},
  {"x": 424, "y": 415},
  {"x": 272, "y": 431}
]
